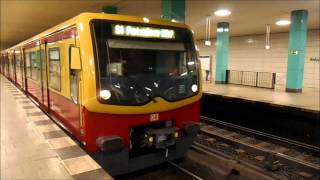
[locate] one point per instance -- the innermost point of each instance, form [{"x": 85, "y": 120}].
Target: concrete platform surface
[
  {"x": 308, "y": 99},
  {"x": 33, "y": 147}
]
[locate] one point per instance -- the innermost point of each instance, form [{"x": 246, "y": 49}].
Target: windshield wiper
[{"x": 141, "y": 89}]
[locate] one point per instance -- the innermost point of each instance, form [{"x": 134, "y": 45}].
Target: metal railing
[{"x": 249, "y": 78}]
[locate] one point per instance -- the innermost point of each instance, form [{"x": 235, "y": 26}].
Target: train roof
[{"x": 79, "y": 18}]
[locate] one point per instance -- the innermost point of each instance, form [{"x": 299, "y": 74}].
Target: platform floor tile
[
  {"x": 80, "y": 164},
  {"x": 62, "y": 142},
  {"x": 34, "y": 147}
]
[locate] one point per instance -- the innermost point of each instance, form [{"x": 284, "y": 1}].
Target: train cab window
[
  {"x": 54, "y": 69},
  {"x": 35, "y": 65},
  {"x": 137, "y": 69}
]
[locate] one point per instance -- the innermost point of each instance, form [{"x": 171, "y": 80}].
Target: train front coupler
[{"x": 118, "y": 159}]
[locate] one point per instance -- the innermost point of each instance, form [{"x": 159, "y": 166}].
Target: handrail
[{"x": 250, "y": 78}]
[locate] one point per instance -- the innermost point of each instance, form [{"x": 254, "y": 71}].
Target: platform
[
  {"x": 307, "y": 100},
  {"x": 34, "y": 147}
]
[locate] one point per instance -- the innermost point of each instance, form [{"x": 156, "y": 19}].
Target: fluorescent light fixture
[
  {"x": 190, "y": 63},
  {"x": 219, "y": 29},
  {"x": 81, "y": 26},
  {"x": 283, "y": 22},
  {"x": 222, "y": 12},
  {"x": 207, "y": 43},
  {"x": 250, "y": 40},
  {"x": 146, "y": 20}
]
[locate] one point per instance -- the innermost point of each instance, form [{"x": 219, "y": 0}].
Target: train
[{"x": 127, "y": 88}]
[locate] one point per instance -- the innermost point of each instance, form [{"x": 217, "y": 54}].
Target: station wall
[{"x": 247, "y": 53}]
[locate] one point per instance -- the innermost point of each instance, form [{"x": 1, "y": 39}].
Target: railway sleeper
[{"x": 259, "y": 151}]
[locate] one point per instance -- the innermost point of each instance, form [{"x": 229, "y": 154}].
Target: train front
[{"x": 148, "y": 89}]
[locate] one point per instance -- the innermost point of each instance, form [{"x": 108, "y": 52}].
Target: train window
[
  {"x": 28, "y": 64},
  {"x": 54, "y": 69},
  {"x": 74, "y": 86},
  {"x": 17, "y": 57},
  {"x": 35, "y": 65},
  {"x": 18, "y": 63}
]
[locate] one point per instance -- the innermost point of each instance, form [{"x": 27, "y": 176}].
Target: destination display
[{"x": 146, "y": 32}]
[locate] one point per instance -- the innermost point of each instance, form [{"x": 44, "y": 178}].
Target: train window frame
[{"x": 50, "y": 70}]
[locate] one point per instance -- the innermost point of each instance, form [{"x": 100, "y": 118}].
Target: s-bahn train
[{"x": 127, "y": 88}]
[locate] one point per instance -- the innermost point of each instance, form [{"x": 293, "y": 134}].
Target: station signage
[
  {"x": 145, "y": 32},
  {"x": 294, "y": 52}
]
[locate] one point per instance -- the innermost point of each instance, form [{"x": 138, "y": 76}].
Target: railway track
[
  {"x": 182, "y": 169},
  {"x": 280, "y": 158}
]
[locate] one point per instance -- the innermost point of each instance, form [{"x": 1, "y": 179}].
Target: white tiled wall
[{"x": 254, "y": 57}]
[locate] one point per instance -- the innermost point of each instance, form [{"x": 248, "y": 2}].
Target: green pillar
[
  {"x": 296, "y": 51},
  {"x": 173, "y": 9},
  {"x": 222, "y": 52},
  {"x": 110, "y": 9}
]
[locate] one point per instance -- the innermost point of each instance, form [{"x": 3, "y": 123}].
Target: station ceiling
[{"x": 21, "y": 19}]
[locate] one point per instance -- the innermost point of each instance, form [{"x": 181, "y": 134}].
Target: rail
[
  {"x": 249, "y": 78},
  {"x": 264, "y": 136},
  {"x": 282, "y": 157},
  {"x": 194, "y": 176}
]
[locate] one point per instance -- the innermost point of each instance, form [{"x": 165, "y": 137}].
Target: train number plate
[{"x": 154, "y": 117}]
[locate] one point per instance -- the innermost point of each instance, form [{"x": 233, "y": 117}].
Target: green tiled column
[
  {"x": 296, "y": 54},
  {"x": 222, "y": 52},
  {"x": 110, "y": 9},
  {"x": 173, "y": 9}
]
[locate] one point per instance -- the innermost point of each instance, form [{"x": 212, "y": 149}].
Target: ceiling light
[
  {"x": 268, "y": 37},
  {"x": 250, "y": 40},
  {"x": 207, "y": 42},
  {"x": 145, "y": 19},
  {"x": 267, "y": 46},
  {"x": 283, "y": 22},
  {"x": 222, "y": 12}
]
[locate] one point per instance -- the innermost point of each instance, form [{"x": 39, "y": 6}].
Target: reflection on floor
[
  {"x": 308, "y": 99},
  {"x": 33, "y": 147}
]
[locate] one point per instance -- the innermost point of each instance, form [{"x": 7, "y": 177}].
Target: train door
[
  {"x": 11, "y": 66},
  {"x": 44, "y": 78},
  {"x": 22, "y": 69},
  {"x": 19, "y": 78},
  {"x": 26, "y": 69},
  {"x": 75, "y": 82},
  {"x": 33, "y": 69}
]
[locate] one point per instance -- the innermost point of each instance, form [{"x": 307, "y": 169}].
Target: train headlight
[
  {"x": 194, "y": 88},
  {"x": 150, "y": 139},
  {"x": 105, "y": 94},
  {"x": 176, "y": 135}
]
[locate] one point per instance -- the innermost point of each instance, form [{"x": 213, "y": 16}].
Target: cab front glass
[{"x": 137, "y": 62}]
